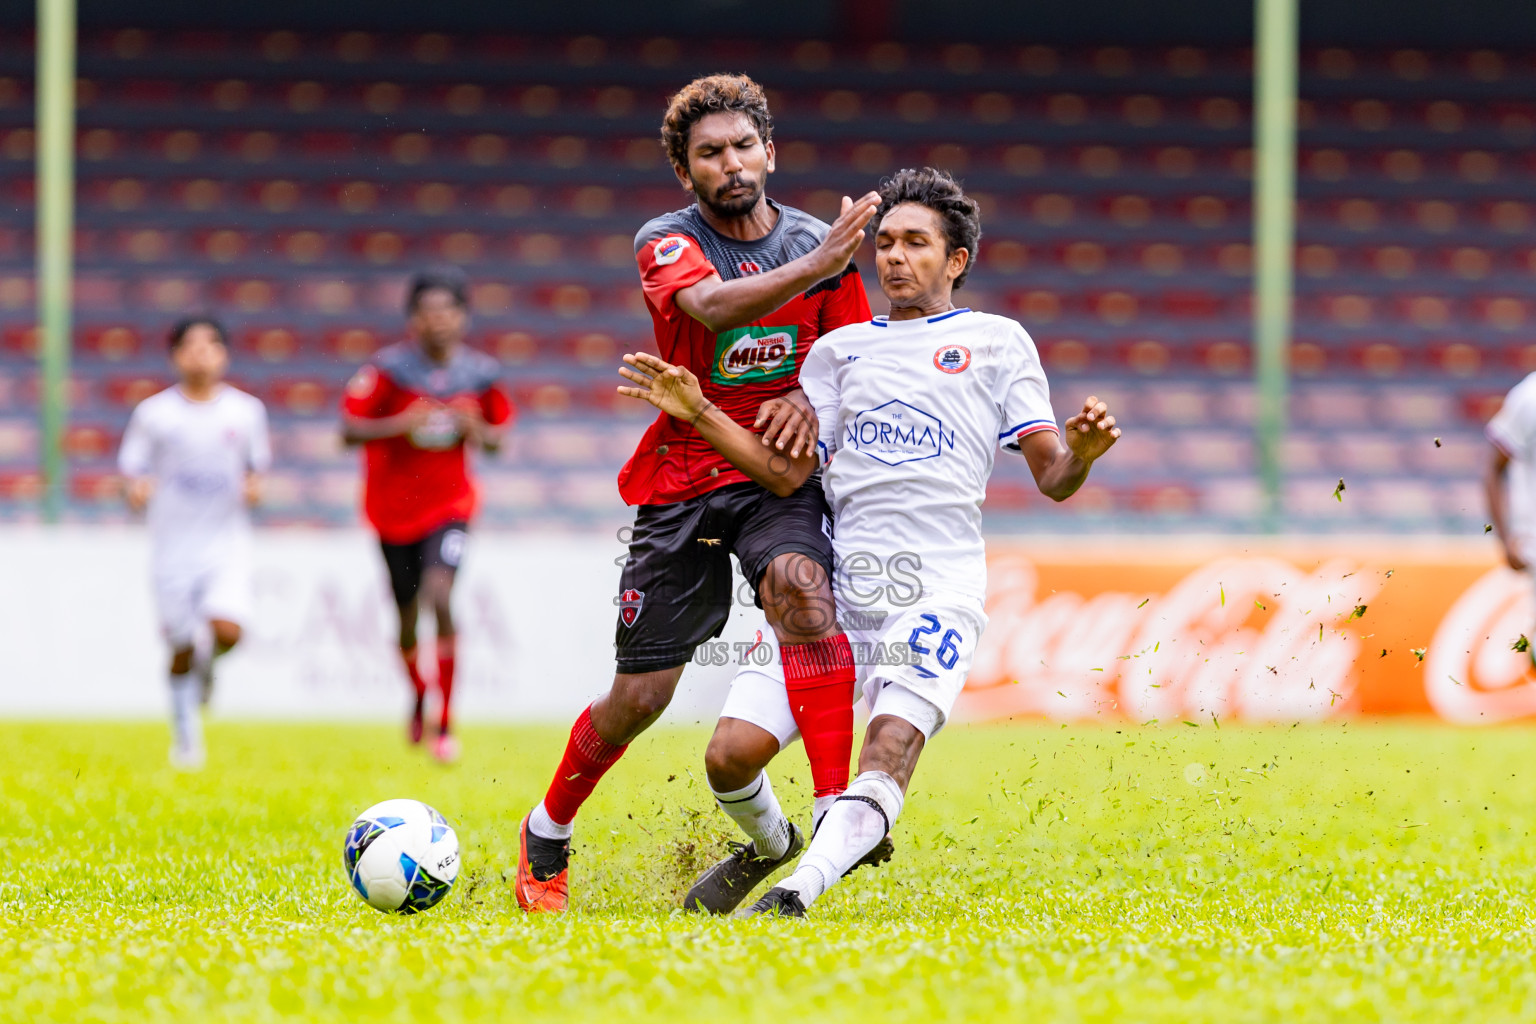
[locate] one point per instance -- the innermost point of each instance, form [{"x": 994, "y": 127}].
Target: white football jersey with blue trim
[{"x": 912, "y": 414}]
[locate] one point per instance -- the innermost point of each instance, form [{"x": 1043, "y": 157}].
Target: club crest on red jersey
[
  {"x": 952, "y": 358},
  {"x": 669, "y": 249},
  {"x": 629, "y": 606}
]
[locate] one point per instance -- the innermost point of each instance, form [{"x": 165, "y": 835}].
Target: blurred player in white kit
[{"x": 191, "y": 456}]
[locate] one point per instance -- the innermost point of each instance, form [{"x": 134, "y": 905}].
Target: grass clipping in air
[{"x": 1242, "y": 874}]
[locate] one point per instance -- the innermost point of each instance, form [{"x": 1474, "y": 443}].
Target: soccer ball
[{"x": 401, "y": 856}]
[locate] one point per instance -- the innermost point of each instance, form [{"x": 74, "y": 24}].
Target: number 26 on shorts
[{"x": 948, "y": 652}]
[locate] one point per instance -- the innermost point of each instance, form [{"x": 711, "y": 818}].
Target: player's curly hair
[
  {"x": 937, "y": 190},
  {"x": 712, "y": 95}
]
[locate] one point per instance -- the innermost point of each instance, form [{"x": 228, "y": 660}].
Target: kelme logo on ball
[{"x": 748, "y": 355}]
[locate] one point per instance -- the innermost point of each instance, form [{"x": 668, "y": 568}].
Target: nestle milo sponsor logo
[{"x": 751, "y": 354}]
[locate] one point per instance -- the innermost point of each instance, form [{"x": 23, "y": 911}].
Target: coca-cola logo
[
  {"x": 1472, "y": 674},
  {"x": 1256, "y": 638}
]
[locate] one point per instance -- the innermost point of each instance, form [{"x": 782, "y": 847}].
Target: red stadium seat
[
  {"x": 1189, "y": 303},
  {"x": 1478, "y": 407},
  {"x": 112, "y": 343},
  {"x": 1521, "y": 357},
  {"x": 1223, "y": 357},
  {"x": 104, "y": 488},
  {"x": 145, "y": 245},
  {"x": 303, "y": 247},
  {"x": 224, "y": 245},
  {"x": 1457, "y": 358},
  {"x": 591, "y": 348},
  {"x": 381, "y": 248},
  {"x": 329, "y": 145},
  {"x": 512, "y": 347},
  {"x": 170, "y": 293},
  {"x": 23, "y": 486},
  {"x": 276, "y": 196},
  {"x": 1503, "y": 312},
  {"x": 250, "y": 294},
  {"x": 199, "y": 195},
  {"x": 459, "y": 247},
  {"x": 89, "y": 441},
  {"x": 270, "y": 344},
  {"x": 1308, "y": 359},
  {"x": 352, "y": 344},
  {"x": 301, "y": 397},
  {"x": 1382, "y": 359},
  {"x": 129, "y": 390},
  {"x": 543, "y": 398},
  {"x": 1146, "y": 357},
  {"x": 1066, "y": 355},
  {"x": 21, "y": 340}
]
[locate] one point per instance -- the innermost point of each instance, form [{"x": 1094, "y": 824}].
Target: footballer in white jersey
[
  {"x": 912, "y": 409},
  {"x": 190, "y": 458},
  {"x": 1510, "y": 480}
]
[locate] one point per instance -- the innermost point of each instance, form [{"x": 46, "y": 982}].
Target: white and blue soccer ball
[{"x": 401, "y": 856}]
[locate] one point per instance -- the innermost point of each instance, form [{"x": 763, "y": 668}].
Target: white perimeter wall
[{"x": 535, "y": 613}]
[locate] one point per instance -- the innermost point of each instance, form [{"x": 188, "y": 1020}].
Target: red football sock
[
  {"x": 446, "y": 646},
  {"x": 418, "y": 684},
  {"x": 587, "y": 757},
  {"x": 820, "y": 678}
]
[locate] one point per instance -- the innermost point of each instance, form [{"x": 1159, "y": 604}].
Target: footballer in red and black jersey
[
  {"x": 740, "y": 368},
  {"x": 418, "y": 482}
]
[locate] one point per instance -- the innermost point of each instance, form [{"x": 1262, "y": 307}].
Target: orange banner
[{"x": 1253, "y": 631}]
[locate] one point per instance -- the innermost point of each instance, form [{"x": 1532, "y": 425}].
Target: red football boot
[{"x": 551, "y": 893}]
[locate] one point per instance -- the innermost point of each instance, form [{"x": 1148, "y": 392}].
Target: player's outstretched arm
[
  {"x": 675, "y": 391},
  {"x": 723, "y": 305},
  {"x": 1060, "y": 468}
]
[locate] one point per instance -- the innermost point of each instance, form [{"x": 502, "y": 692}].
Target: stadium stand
[{"x": 291, "y": 181}]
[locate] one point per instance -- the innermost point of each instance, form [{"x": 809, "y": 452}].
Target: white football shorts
[
  {"x": 911, "y": 663},
  {"x": 188, "y": 596}
]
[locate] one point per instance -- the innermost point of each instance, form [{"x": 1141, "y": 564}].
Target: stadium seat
[
  {"x": 300, "y": 396},
  {"x": 111, "y": 344},
  {"x": 270, "y": 344},
  {"x": 127, "y": 391}
]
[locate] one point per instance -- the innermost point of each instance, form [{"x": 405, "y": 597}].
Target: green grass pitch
[{"x": 1359, "y": 872}]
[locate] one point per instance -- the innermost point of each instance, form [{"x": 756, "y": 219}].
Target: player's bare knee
[
  {"x": 797, "y": 596},
  {"x": 225, "y": 634},
  {"x": 181, "y": 661},
  {"x": 731, "y": 761}
]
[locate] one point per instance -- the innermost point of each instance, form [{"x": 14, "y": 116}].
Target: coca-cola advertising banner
[
  {"x": 1113, "y": 630},
  {"x": 1300, "y": 630}
]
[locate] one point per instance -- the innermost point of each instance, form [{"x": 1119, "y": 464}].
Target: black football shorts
[
  {"x": 675, "y": 591},
  {"x": 406, "y": 562}
]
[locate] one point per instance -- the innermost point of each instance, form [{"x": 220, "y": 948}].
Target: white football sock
[
  {"x": 819, "y": 809},
  {"x": 757, "y": 811},
  {"x": 545, "y": 827},
  {"x": 857, "y": 821},
  {"x": 186, "y": 715}
]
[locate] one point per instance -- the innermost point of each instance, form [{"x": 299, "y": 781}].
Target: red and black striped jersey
[{"x": 739, "y": 368}]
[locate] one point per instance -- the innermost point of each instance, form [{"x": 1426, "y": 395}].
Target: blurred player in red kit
[
  {"x": 416, "y": 409},
  {"x": 739, "y": 288}
]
